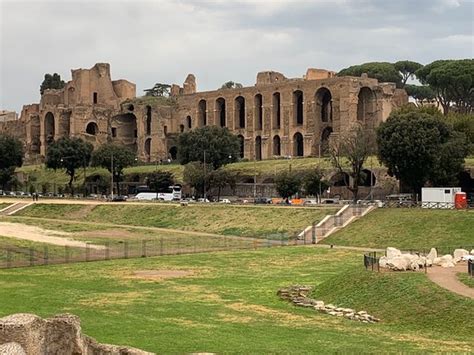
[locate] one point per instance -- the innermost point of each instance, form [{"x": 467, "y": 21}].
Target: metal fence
[
  {"x": 470, "y": 268},
  {"x": 14, "y": 256},
  {"x": 371, "y": 261}
]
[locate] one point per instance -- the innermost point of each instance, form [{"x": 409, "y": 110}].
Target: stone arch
[
  {"x": 173, "y": 153},
  {"x": 35, "y": 146},
  {"x": 239, "y": 112},
  {"x": 258, "y": 112},
  {"x": 298, "y": 111},
  {"x": 366, "y": 104},
  {"x": 124, "y": 130},
  {"x": 189, "y": 122},
  {"x": 258, "y": 148},
  {"x": 131, "y": 107},
  {"x": 276, "y": 110},
  {"x": 181, "y": 128},
  {"x": 49, "y": 128},
  {"x": 340, "y": 179},
  {"x": 148, "y": 149},
  {"x": 276, "y": 145},
  {"x": 325, "y": 135},
  {"x": 148, "y": 120},
  {"x": 92, "y": 128},
  {"x": 202, "y": 113},
  {"x": 323, "y": 100},
  {"x": 368, "y": 178},
  {"x": 241, "y": 145},
  {"x": 221, "y": 112},
  {"x": 298, "y": 145}
]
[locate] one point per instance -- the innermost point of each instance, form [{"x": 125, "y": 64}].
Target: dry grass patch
[
  {"x": 162, "y": 274},
  {"x": 114, "y": 299}
]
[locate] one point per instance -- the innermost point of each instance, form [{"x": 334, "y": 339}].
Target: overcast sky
[{"x": 162, "y": 41}]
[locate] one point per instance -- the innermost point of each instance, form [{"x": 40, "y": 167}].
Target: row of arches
[{"x": 323, "y": 100}]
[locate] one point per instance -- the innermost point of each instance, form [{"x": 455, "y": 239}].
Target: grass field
[
  {"x": 4, "y": 205},
  {"x": 273, "y": 222},
  {"x": 466, "y": 279},
  {"x": 229, "y": 304},
  {"x": 408, "y": 229}
]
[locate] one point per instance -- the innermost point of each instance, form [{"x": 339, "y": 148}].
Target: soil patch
[
  {"x": 162, "y": 274},
  {"x": 447, "y": 278}
]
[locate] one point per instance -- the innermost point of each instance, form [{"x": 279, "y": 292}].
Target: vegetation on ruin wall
[
  {"x": 152, "y": 100},
  {"x": 260, "y": 221},
  {"x": 408, "y": 228},
  {"x": 233, "y": 294}
]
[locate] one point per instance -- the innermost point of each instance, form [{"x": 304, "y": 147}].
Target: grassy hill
[
  {"x": 229, "y": 304},
  {"x": 408, "y": 229}
]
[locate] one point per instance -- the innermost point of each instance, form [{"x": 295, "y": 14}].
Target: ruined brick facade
[{"x": 275, "y": 117}]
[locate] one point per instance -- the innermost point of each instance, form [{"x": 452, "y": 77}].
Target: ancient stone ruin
[
  {"x": 298, "y": 295},
  {"x": 59, "y": 335},
  {"x": 395, "y": 260}
]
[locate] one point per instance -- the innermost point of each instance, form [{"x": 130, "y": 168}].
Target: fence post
[
  {"x": 313, "y": 233},
  {"x": 32, "y": 257},
  {"x": 45, "y": 255},
  {"x": 143, "y": 248}
]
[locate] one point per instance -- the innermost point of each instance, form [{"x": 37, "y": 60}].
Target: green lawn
[
  {"x": 229, "y": 304},
  {"x": 408, "y": 229},
  {"x": 4, "y": 205},
  {"x": 273, "y": 222},
  {"x": 468, "y": 280}
]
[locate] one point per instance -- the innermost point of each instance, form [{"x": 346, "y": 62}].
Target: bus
[{"x": 172, "y": 193}]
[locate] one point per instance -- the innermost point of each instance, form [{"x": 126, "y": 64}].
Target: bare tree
[{"x": 348, "y": 153}]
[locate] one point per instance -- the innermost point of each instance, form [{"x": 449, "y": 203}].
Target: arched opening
[
  {"x": 202, "y": 113},
  {"x": 276, "y": 145},
  {"x": 173, "y": 153},
  {"x": 268, "y": 181},
  {"x": 239, "y": 104},
  {"x": 276, "y": 110},
  {"x": 367, "y": 178},
  {"x": 92, "y": 128},
  {"x": 181, "y": 128},
  {"x": 131, "y": 107},
  {"x": 340, "y": 179},
  {"x": 221, "y": 111},
  {"x": 248, "y": 180},
  {"x": 148, "y": 149},
  {"x": 124, "y": 130},
  {"x": 323, "y": 101},
  {"x": 35, "y": 133},
  {"x": 366, "y": 104},
  {"x": 242, "y": 145},
  {"x": 258, "y": 112},
  {"x": 49, "y": 128},
  {"x": 189, "y": 122},
  {"x": 298, "y": 107},
  {"x": 148, "y": 120},
  {"x": 258, "y": 148},
  {"x": 165, "y": 130},
  {"x": 325, "y": 140},
  {"x": 298, "y": 147}
]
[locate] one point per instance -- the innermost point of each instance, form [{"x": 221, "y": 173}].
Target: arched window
[
  {"x": 258, "y": 148},
  {"x": 221, "y": 111},
  {"x": 298, "y": 107},
  {"x": 276, "y": 111},
  {"x": 367, "y": 178},
  {"x": 49, "y": 128},
  {"x": 148, "y": 120},
  {"x": 148, "y": 149},
  {"x": 325, "y": 140},
  {"x": 189, "y": 122},
  {"x": 276, "y": 145},
  {"x": 202, "y": 113},
  {"x": 181, "y": 128},
  {"x": 242, "y": 145},
  {"x": 258, "y": 112},
  {"x": 298, "y": 147},
  {"x": 239, "y": 105},
  {"x": 92, "y": 128},
  {"x": 173, "y": 153},
  {"x": 366, "y": 104},
  {"x": 323, "y": 99}
]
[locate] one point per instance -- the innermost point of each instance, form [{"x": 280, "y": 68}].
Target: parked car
[
  {"x": 262, "y": 201},
  {"x": 310, "y": 202},
  {"x": 204, "y": 200},
  {"x": 225, "y": 200},
  {"x": 119, "y": 198}
]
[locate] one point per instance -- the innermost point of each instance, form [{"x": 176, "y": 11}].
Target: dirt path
[
  {"x": 37, "y": 234},
  {"x": 447, "y": 278}
]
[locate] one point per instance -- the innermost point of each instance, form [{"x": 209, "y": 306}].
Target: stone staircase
[
  {"x": 12, "y": 209},
  {"x": 331, "y": 223}
]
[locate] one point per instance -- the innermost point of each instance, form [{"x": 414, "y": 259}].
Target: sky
[{"x": 149, "y": 41}]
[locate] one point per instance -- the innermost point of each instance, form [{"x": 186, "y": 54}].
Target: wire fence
[
  {"x": 470, "y": 267},
  {"x": 12, "y": 256}
]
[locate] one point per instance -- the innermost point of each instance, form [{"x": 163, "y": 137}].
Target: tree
[
  {"x": 415, "y": 144},
  {"x": 11, "y": 157},
  {"x": 382, "y": 71},
  {"x": 421, "y": 93},
  {"x": 452, "y": 81},
  {"x": 51, "y": 82},
  {"x": 197, "y": 176},
  {"x": 212, "y": 144},
  {"x": 160, "y": 180},
  {"x": 221, "y": 178},
  {"x": 69, "y": 154},
  {"x": 110, "y": 155},
  {"x": 231, "y": 85},
  {"x": 463, "y": 123},
  {"x": 349, "y": 151},
  {"x": 407, "y": 69},
  {"x": 159, "y": 90},
  {"x": 313, "y": 183},
  {"x": 287, "y": 183}
]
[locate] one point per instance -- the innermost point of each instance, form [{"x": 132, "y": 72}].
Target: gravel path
[
  {"x": 446, "y": 277},
  {"x": 37, "y": 234}
]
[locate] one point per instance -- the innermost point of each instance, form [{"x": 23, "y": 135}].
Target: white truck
[{"x": 438, "y": 197}]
